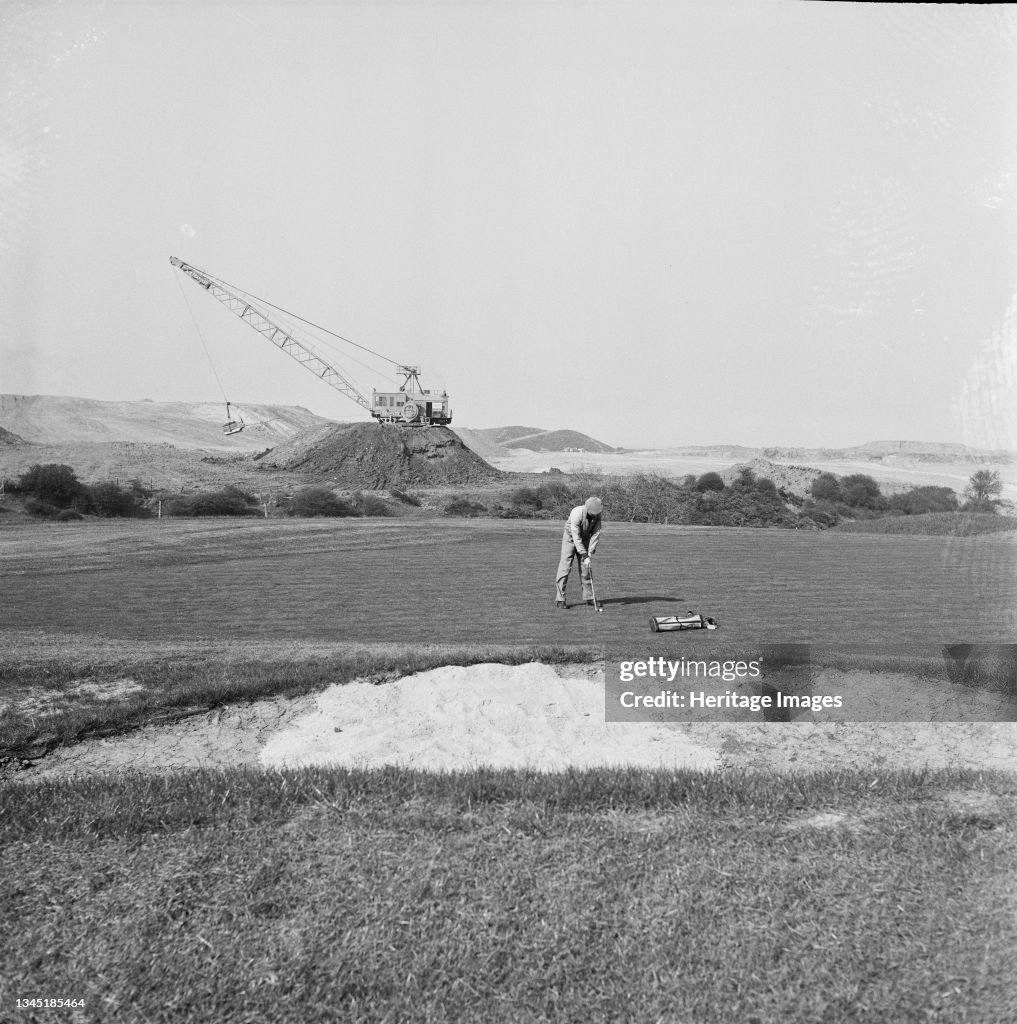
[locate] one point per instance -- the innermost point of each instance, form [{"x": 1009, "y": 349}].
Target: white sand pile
[{"x": 504, "y": 716}]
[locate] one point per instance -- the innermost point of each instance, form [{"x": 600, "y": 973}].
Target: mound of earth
[
  {"x": 374, "y": 456},
  {"x": 6, "y": 437},
  {"x": 793, "y": 479}
]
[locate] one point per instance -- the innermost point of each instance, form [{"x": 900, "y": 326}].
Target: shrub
[
  {"x": 370, "y": 505},
  {"x": 526, "y": 499},
  {"x": 53, "y": 482},
  {"x": 743, "y": 508},
  {"x": 230, "y": 501},
  {"x": 822, "y": 517},
  {"x": 710, "y": 482},
  {"x": 318, "y": 501},
  {"x": 647, "y": 498},
  {"x": 826, "y": 487},
  {"x": 746, "y": 479},
  {"x": 861, "y": 491},
  {"x": 558, "y": 497},
  {"x": 463, "y": 507},
  {"x": 918, "y": 500},
  {"x": 110, "y": 500},
  {"x": 37, "y": 507}
]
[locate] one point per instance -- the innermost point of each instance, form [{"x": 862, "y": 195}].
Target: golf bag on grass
[{"x": 671, "y": 623}]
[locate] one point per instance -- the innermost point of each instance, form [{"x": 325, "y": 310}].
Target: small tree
[{"x": 983, "y": 491}]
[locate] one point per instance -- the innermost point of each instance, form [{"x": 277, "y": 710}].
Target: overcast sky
[{"x": 657, "y": 223}]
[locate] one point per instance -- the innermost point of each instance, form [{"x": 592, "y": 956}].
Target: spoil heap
[
  {"x": 794, "y": 479},
  {"x": 373, "y": 456}
]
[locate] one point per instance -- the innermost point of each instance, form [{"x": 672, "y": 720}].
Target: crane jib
[{"x": 410, "y": 404}]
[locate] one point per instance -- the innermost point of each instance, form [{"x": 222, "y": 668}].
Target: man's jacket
[{"x": 585, "y": 530}]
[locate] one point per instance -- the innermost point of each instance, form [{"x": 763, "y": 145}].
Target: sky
[{"x": 661, "y": 224}]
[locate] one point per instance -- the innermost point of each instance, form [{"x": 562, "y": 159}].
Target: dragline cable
[{"x": 201, "y": 338}]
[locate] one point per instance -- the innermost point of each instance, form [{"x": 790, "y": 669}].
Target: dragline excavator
[{"x": 410, "y": 405}]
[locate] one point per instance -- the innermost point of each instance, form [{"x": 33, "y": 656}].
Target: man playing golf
[{"x": 582, "y": 531}]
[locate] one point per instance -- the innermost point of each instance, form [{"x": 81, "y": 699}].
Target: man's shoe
[{"x": 560, "y": 604}]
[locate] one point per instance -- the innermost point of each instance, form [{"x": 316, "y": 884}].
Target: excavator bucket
[{"x": 232, "y": 426}]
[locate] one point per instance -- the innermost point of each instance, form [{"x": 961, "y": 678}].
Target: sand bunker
[
  {"x": 504, "y": 716},
  {"x": 534, "y": 716}
]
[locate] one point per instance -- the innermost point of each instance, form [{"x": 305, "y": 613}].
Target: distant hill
[
  {"x": 55, "y": 419},
  {"x": 560, "y": 441},
  {"x": 506, "y": 435},
  {"x": 536, "y": 439},
  {"x": 890, "y": 451},
  {"x": 478, "y": 442}
]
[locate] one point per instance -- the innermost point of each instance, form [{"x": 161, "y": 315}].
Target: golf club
[{"x": 593, "y": 590}]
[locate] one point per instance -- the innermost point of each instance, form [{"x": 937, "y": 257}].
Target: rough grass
[
  {"x": 953, "y": 524},
  {"x": 322, "y": 895}
]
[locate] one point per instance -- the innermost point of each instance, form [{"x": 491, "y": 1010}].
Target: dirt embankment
[
  {"x": 61, "y": 420},
  {"x": 373, "y": 456},
  {"x": 794, "y": 479}
]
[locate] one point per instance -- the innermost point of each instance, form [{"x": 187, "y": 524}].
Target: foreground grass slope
[{"x": 506, "y": 896}]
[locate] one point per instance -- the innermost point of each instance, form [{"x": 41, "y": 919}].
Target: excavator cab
[{"x": 232, "y": 426}]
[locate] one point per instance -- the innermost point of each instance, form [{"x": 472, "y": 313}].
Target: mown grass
[
  {"x": 171, "y": 688},
  {"x": 492, "y": 582},
  {"x": 322, "y": 895},
  {"x": 953, "y": 524}
]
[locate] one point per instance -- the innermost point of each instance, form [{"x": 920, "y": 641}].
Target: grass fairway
[
  {"x": 493, "y": 582},
  {"x": 506, "y": 896}
]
